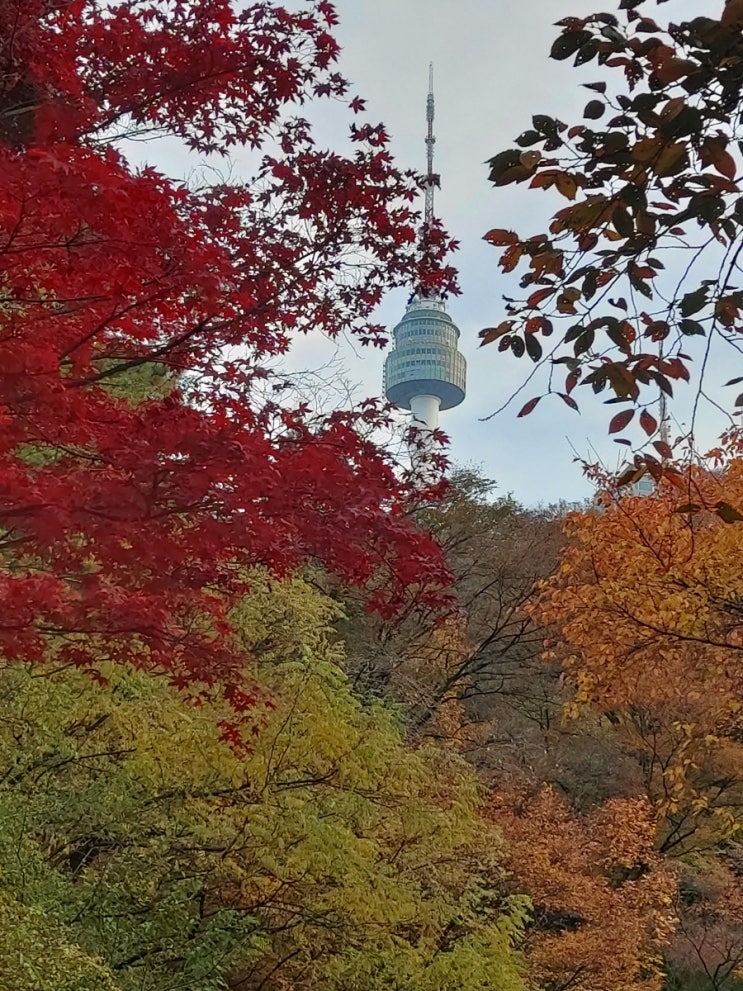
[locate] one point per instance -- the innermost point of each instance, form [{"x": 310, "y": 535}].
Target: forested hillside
[
  {"x": 278, "y": 713},
  {"x": 139, "y": 850}
]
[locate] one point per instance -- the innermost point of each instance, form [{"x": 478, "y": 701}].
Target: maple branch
[{"x": 153, "y": 356}]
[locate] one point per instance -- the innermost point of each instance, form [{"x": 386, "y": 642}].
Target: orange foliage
[
  {"x": 647, "y": 605},
  {"x": 602, "y": 898}
]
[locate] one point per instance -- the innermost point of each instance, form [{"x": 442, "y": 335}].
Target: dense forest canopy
[{"x": 271, "y": 717}]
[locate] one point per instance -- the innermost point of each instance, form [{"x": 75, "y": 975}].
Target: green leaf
[
  {"x": 688, "y": 507},
  {"x": 693, "y": 302},
  {"x": 533, "y": 347},
  {"x": 503, "y": 161},
  {"x": 568, "y": 43},
  {"x": 584, "y": 342},
  {"x": 622, "y": 221},
  {"x": 528, "y": 138},
  {"x": 594, "y": 109},
  {"x": 587, "y": 52},
  {"x": 728, "y": 513},
  {"x": 691, "y": 328},
  {"x": 545, "y": 125}
]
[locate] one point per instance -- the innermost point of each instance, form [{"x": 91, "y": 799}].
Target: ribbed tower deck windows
[{"x": 435, "y": 368}]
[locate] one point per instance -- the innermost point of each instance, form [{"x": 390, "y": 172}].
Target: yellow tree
[
  {"x": 647, "y": 606},
  {"x": 326, "y": 853}
]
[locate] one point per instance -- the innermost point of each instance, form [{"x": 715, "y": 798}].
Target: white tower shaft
[
  {"x": 425, "y": 411},
  {"x": 665, "y": 424}
]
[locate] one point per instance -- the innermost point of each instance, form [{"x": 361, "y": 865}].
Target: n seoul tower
[{"x": 424, "y": 372}]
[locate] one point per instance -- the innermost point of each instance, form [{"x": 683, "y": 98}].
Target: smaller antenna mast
[
  {"x": 430, "y": 142},
  {"x": 665, "y": 425}
]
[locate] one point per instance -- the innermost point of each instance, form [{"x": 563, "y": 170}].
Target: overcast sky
[{"x": 492, "y": 73}]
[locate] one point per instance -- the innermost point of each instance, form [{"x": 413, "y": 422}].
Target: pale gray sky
[{"x": 492, "y": 73}]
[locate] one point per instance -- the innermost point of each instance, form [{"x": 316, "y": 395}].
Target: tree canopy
[
  {"x": 140, "y": 851},
  {"x": 270, "y": 718},
  {"x": 644, "y": 611},
  {"x": 117, "y": 533}
]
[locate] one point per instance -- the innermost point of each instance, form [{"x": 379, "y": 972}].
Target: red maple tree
[{"x": 120, "y": 521}]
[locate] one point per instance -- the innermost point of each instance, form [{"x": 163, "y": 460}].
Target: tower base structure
[{"x": 425, "y": 410}]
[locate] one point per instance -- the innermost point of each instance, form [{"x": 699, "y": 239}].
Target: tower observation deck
[
  {"x": 424, "y": 362},
  {"x": 424, "y": 372}
]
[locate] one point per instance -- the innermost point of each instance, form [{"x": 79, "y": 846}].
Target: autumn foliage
[
  {"x": 140, "y": 851},
  {"x": 538, "y": 786},
  {"x": 644, "y": 612},
  {"x": 119, "y": 522},
  {"x": 645, "y": 605},
  {"x": 602, "y": 899}
]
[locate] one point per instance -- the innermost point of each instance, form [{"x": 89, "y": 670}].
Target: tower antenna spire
[{"x": 431, "y": 178}]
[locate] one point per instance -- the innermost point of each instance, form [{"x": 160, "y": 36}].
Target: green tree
[{"x": 326, "y": 854}]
